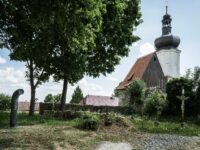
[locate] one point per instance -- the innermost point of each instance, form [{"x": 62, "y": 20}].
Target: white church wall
[{"x": 170, "y": 61}]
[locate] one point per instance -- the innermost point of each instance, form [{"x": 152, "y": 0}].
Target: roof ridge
[{"x": 146, "y": 55}]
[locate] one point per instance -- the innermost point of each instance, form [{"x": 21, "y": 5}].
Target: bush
[
  {"x": 5, "y": 102},
  {"x": 155, "y": 103},
  {"x": 91, "y": 123},
  {"x": 136, "y": 92}
]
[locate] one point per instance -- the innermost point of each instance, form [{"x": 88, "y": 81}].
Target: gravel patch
[
  {"x": 169, "y": 142},
  {"x": 114, "y": 146},
  {"x": 155, "y": 142}
]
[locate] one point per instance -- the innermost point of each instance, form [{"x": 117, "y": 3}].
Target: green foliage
[
  {"x": 21, "y": 26},
  {"x": 136, "y": 91},
  {"x": 155, "y": 103},
  {"x": 53, "y": 98},
  {"x": 77, "y": 96},
  {"x": 66, "y": 43},
  {"x": 91, "y": 123},
  {"x": 115, "y": 36},
  {"x": 49, "y": 98},
  {"x": 116, "y": 92},
  {"x": 5, "y": 101},
  {"x": 167, "y": 126},
  {"x": 173, "y": 89}
]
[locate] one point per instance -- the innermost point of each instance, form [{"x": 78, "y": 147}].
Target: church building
[{"x": 157, "y": 68}]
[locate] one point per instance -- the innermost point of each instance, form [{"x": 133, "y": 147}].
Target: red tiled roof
[
  {"x": 99, "y": 101},
  {"x": 136, "y": 71}
]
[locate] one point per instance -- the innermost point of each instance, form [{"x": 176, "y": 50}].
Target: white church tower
[{"x": 167, "y": 49}]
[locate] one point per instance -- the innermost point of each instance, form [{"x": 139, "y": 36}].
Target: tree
[
  {"x": 57, "y": 98},
  {"x": 195, "y": 77},
  {"x": 136, "y": 92},
  {"x": 77, "y": 96},
  {"x": 100, "y": 37},
  {"x": 67, "y": 39},
  {"x": 53, "y": 98},
  {"x": 21, "y": 26},
  {"x": 173, "y": 89},
  {"x": 5, "y": 101},
  {"x": 49, "y": 98}
]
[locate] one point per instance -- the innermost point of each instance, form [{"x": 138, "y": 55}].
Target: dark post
[{"x": 14, "y": 107}]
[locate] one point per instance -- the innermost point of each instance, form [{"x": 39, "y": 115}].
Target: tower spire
[
  {"x": 167, "y": 40},
  {"x": 166, "y": 1},
  {"x": 166, "y": 9}
]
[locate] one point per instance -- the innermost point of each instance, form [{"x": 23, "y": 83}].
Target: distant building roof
[
  {"x": 136, "y": 71},
  {"x": 99, "y": 100}
]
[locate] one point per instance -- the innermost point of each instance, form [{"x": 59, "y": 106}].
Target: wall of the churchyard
[
  {"x": 25, "y": 106},
  {"x": 75, "y": 107}
]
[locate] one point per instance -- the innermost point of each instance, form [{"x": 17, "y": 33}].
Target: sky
[{"x": 185, "y": 24}]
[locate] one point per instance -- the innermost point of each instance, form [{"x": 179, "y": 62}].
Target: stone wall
[
  {"x": 101, "y": 109},
  {"x": 24, "y": 106}
]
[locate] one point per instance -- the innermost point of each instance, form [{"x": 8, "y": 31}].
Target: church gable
[
  {"x": 148, "y": 69},
  {"x": 153, "y": 75},
  {"x": 137, "y": 71}
]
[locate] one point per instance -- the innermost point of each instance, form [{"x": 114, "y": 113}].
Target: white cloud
[
  {"x": 9, "y": 75},
  {"x": 111, "y": 78},
  {"x": 135, "y": 44},
  {"x": 2, "y": 60},
  {"x": 12, "y": 79},
  {"x": 90, "y": 88},
  {"x": 146, "y": 48}
]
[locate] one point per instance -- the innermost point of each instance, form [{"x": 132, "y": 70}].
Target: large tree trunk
[
  {"x": 64, "y": 93},
  {"x": 32, "y": 103}
]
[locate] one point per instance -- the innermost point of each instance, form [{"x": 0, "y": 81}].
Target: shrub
[
  {"x": 136, "y": 92},
  {"x": 91, "y": 121},
  {"x": 5, "y": 101},
  {"x": 155, "y": 103}
]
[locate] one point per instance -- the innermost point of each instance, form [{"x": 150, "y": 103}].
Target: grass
[
  {"x": 46, "y": 133},
  {"x": 25, "y": 120},
  {"x": 170, "y": 125},
  {"x": 40, "y": 132}
]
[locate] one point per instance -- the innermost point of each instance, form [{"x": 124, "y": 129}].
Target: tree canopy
[
  {"x": 21, "y": 26},
  {"x": 68, "y": 39},
  {"x": 52, "y": 98}
]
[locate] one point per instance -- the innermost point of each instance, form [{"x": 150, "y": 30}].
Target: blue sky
[{"x": 185, "y": 23}]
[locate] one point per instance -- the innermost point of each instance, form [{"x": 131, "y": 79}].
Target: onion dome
[{"x": 167, "y": 40}]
